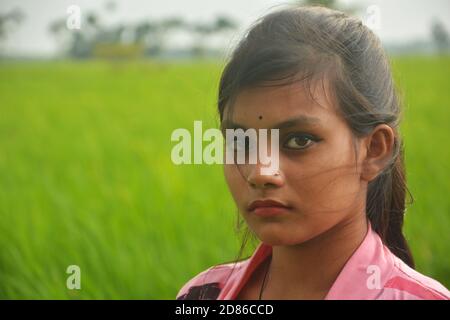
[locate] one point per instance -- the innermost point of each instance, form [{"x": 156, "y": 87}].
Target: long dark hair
[{"x": 315, "y": 41}]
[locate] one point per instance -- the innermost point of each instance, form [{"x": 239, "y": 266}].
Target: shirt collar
[{"x": 371, "y": 258}]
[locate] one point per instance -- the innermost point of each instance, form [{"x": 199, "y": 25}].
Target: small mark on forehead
[{"x": 260, "y": 117}]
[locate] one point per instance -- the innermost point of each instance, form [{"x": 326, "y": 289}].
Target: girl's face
[{"x": 319, "y": 173}]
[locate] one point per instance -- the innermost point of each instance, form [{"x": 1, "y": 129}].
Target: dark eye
[{"x": 299, "y": 141}]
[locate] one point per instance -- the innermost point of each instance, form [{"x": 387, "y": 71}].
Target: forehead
[{"x": 264, "y": 105}]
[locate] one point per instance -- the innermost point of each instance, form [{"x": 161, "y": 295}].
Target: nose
[{"x": 263, "y": 181}]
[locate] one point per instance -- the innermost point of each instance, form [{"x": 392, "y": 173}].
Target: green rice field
[{"x": 86, "y": 176}]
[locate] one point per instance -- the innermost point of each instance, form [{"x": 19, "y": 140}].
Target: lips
[{"x": 268, "y": 207}]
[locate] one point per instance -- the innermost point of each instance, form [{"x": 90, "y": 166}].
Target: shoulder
[
  {"x": 208, "y": 283},
  {"x": 407, "y": 283}
]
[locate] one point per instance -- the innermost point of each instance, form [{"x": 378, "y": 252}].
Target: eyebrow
[{"x": 297, "y": 121}]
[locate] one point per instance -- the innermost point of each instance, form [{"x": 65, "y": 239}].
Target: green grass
[{"x": 86, "y": 177}]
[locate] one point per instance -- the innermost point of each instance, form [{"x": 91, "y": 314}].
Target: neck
[{"x": 308, "y": 270}]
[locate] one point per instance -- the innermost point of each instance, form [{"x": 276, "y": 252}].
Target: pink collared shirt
[{"x": 372, "y": 272}]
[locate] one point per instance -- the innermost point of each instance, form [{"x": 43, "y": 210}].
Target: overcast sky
[{"x": 401, "y": 20}]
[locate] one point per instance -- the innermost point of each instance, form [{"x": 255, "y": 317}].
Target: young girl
[{"x": 330, "y": 219}]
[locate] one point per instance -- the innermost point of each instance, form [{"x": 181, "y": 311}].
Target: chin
[{"x": 279, "y": 234}]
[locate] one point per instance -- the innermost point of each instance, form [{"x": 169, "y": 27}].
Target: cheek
[
  {"x": 235, "y": 182},
  {"x": 325, "y": 183},
  {"x": 324, "y": 194}
]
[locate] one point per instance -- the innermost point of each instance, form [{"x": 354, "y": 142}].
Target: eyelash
[
  {"x": 301, "y": 135},
  {"x": 291, "y": 136}
]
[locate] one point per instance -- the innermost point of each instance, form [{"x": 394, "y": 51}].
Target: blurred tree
[
  {"x": 80, "y": 47},
  {"x": 80, "y": 43},
  {"x": 153, "y": 36},
  {"x": 147, "y": 34},
  {"x": 440, "y": 36},
  {"x": 202, "y": 31},
  {"x": 92, "y": 23},
  {"x": 166, "y": 28},
  {"x": 58, "y": 27},
  {"x": 62, "y": 35},
  {"x": 110, "y": 35},
  {"x": 10, "y": 20},
  {"x": 142, "y": 30},
  {"x": 224, "y": 23},
  {"x": 172, "y": 23},
  {"x": 84, "y": 40},
  {"x": 332, "y": 4},
  {"x": 326, "y": 3}
]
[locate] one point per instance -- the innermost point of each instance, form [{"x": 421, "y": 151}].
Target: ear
[{"x": 379, "y": 147}]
